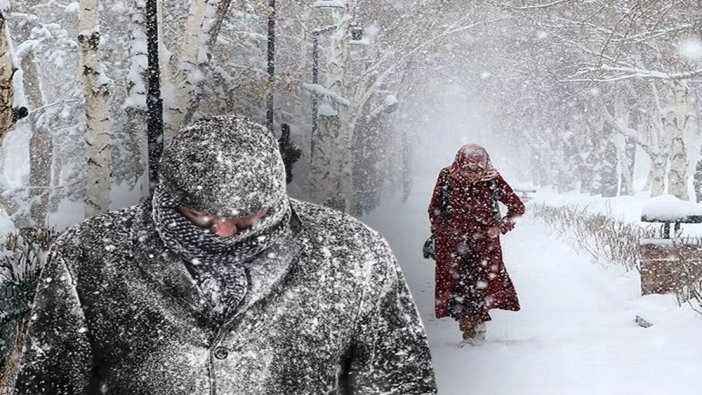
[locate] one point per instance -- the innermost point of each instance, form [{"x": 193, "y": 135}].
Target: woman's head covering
[{"x": 473, "y": 157}]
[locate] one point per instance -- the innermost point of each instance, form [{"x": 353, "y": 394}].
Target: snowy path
[{"x": 575, "y": 334}]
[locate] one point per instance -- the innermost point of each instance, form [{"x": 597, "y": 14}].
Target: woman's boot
[{"x": 473, "y": 330}]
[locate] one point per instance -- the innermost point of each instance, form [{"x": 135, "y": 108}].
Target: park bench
[
  {"x": 669, "y": 262},
  {"x": 525, "y": 194}
]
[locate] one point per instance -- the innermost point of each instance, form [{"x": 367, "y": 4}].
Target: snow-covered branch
[{"x": 624, "y": 73}]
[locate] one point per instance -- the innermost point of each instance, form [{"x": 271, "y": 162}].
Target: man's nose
[{"x": 224, "y": 227}]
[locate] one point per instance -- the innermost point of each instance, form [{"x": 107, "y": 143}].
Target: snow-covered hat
[{"x": 224, "y": 165}]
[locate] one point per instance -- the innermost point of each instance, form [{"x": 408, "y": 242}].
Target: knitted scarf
[{"x": 216, "y": 263}]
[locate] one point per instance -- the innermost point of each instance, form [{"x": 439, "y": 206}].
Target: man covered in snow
[
  {"x": 221, "y": 284},
  {"x": 471, "y": 278}
]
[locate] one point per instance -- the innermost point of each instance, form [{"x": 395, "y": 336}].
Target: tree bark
[
  {"x": 96, "y": 90},
  {"x": 135, "y": 104},
  {"x": 7, "y": 71},
  {"x": 41, "y": 147},
  {"x": 628, "y": 162},
  {"x": 658, "y": 162},
  {"x": 330, "y": 174},
  {"x": 210, "y": 31},
  {"x": 675, "y": 123},
  {"x": 184, "y": 81}
]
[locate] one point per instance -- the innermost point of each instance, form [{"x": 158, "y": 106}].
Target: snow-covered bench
[{"x": 670, "y": 262}]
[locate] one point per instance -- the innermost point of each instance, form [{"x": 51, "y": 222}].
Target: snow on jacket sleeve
[
  {"x": 515, "y": 207},
  {"x": 57, "y": 355},
  {"x": 390, "y": 354}
]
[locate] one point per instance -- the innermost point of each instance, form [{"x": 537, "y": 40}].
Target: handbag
[{"x": 428, "y": 249}]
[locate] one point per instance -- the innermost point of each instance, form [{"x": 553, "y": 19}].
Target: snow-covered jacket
[{"x": 327, "y": 311}]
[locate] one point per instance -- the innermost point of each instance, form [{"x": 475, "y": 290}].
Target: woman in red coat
[{"x": 471, "y": 278}]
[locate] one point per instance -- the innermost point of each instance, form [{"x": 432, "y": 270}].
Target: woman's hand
[
  {"x": 493, "y": 232},
  {"x": 506, "y": 225}
]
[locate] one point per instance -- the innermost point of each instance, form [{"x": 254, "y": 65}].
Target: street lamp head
[
  {"x": 329, "y": 4},
  {"x": 356, "y": 33}
]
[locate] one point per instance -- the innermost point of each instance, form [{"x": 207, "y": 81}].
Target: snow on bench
[{"x": 668, "y": 210}]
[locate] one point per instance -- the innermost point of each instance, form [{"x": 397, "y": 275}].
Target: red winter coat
[{"x": 469, "y": 214}]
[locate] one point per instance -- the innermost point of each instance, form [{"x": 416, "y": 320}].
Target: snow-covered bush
[
  {"x": 609, "y": 240},
  {"x": 606, "y": 239},
  {"x": 22, "y": 256},
  {"x": 689, "y": 289}
]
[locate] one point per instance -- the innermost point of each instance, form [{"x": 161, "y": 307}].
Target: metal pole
[
  {"x": 271, "y": 64},
  {"x": 154, "y": 103}
]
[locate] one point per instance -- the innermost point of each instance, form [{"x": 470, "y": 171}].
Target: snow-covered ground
[{"x": 576, "y": 333}]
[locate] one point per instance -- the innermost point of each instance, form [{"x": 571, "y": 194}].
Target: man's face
[{"x": 221, "y": 226}]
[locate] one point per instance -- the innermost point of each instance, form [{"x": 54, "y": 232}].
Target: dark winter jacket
[
  {"x": 117, "y": 313},
  {"x": 144, "y": 301}
]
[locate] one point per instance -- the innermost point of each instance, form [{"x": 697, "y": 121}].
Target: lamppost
[{"x": 154, "y": 102}]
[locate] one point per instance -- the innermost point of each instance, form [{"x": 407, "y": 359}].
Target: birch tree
[
  {"x": 330, "y": 177},
  {"x": 47, "y": 80},
  {"x": 184, "y": 79},
  {"x": 96, "y": 90},
  {"x": 675, "y": 123}
]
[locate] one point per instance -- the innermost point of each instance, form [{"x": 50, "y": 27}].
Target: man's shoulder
[
  {"x": 102, "y": 231},
  {"x": 340, "y": 234},
  {"x": 325, "y": 221}
]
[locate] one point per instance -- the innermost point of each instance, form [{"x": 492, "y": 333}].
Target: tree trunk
[
  {"x": 330, "y": 174},
  {"x": 10, "y": 367},
  {"x": 96, "y": 91},
  {"x": 406, "y": 167},
  {"x": 7, "y": 92},
  {"x": 31, "y": 82},
  {"x": 337, "y": 82},
  {"x": 41, "y": 151},
  {"x": 325, "y": 181},
  {"x": 628, "y": 161},
  {"x": 166, "y": 79},
  {"x": 41, "y": 147},
  {"x": 135, "y": 104},
  {"x": 675, "y": 124},
  {"x": 609, "y": 177},
  {"x": 658, "y": 162},
  {"x": 184, "y": 80},
  {"x": 211, "y": 28}
]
